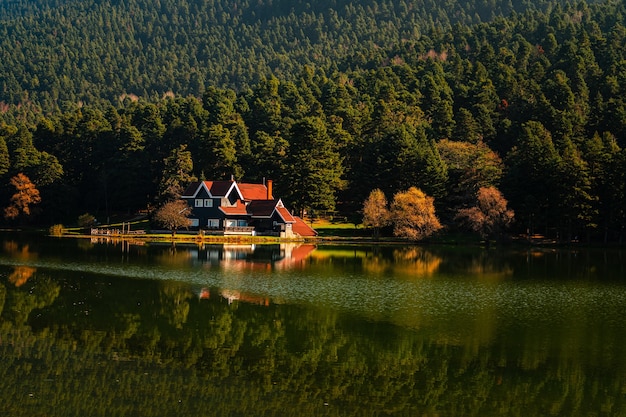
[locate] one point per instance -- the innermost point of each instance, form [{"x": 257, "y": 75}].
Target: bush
[
  {"x": 56, "y": 230},
  {"x": 86, "y": 220}
]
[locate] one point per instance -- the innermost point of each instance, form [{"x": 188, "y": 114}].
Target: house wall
[
  {"x": 262, "y": 225},
  {"x": 203, "y": 214}
]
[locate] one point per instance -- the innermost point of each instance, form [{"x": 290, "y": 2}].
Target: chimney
[{"x": 269, "y": 190}]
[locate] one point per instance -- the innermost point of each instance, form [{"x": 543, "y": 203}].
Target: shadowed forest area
[{"x": 107, "y": 105}]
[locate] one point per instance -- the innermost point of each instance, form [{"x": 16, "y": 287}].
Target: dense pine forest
[{"x": 106, "y": 105}]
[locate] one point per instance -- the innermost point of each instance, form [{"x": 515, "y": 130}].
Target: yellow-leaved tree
[
  {"x": 375, "y": 211},
  {"x": 413, "y": 214}
]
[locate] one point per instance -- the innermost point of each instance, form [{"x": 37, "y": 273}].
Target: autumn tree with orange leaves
[
  {"x": 490, "y": 215},
  {"x": 26, "y": 195},
  {"x": 413, "y": 214}
]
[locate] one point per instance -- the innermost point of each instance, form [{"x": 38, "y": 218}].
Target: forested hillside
[
  {"x": 381, "y": 96},
  {"x": 70, "y": 52}
]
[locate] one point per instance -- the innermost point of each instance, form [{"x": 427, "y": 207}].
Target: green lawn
[{"x": 339, "y": 229}]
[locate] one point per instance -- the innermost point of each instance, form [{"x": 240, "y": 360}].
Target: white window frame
[
  {"x": 199, "y": 202},
  {"x": 213, "y": 223},
  {"x": 208, "y": 202}
]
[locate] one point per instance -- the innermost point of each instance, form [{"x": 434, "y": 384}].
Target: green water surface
[{"x": 93, "y": 328}]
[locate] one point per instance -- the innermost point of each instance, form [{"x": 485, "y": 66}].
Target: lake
[{"x": 97, "y": 328}]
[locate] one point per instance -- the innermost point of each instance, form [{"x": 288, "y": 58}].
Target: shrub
[
  {"x": 86, "y": 220},
  {"x": 56, "y": 230}
]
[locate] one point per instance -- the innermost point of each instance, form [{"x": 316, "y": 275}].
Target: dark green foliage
[
  {"x": 270, "y": 90},
  {"x": 314, "y": 168}
]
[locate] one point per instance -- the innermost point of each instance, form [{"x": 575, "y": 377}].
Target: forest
[{"x": 105, "y": 105}]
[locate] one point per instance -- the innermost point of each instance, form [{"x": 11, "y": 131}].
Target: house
[{"x": 232, "y": 208}]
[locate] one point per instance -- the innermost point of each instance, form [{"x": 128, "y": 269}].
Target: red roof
[
  {"x": 301, "y": 228},
  {"x": 284, "y": 213},
  {"x": 253, "y": 191},
  {"x": 239, "y": 208}
]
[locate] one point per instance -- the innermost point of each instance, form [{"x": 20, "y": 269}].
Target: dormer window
[{"x": 203, "y": 202}]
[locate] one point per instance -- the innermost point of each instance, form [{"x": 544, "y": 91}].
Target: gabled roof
[
  {"x": 303, "y": 229},
  {"x": 191, "y": 190},
  {"x": 284, "y": 213},
  {"x": 262, "y": 208},
  {"x": 253, "y": 191},
  {"x": 238, "y": 209},
  {"x": 267, "y": 208},
  {"x": 214, "y": 189},
  {"x": 221, "y": 188}
]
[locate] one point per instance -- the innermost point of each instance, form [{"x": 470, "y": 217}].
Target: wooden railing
[
  {"x": 239, "y": 229},
  {"x": 116, "y": 232}
]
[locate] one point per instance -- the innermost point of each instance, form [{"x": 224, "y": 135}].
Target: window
[
  {"x": 242, "y": 223},
  {"x": 208, "y": 202},
  {"x": 199, "y": 202},
  {"x": 195, "y": 222},
  {"x": 213, "y": 223},
  {"x": 231, "y": 223}
]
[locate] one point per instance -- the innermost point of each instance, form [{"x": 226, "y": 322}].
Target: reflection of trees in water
[
  {"x": 23, "y": 253},
  {"x": 416, "y": 262},
  {"x": 177, "y": 354},
  {"x": 485, "y": 266},
  {"x": 406, "y": 261},
  {"x": 174, "y": 303},
  {"x": 151, "y": 348},
  {"x": 21, "y": 274},
  {"x": 21, "y": 300},
  {"x": 19, "y": 251}
]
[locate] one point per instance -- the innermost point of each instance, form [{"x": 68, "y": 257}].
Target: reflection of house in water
[
  {"x": 234, "y": 295},
  {"x": 253, "y": 256},
  {"x": 236, "y": 258}
]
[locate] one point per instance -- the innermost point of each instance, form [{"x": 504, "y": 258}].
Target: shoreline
[{"x": 196, "y": 238}]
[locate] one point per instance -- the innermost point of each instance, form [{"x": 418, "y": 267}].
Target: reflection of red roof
[
  {"x": 303, "y": 229},
  {"x": 301, "y": 252},
  {"x": 253, "y": 191}
]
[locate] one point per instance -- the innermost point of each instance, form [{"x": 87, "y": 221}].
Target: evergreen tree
[
  {"x": 532, "y": 179},
  {"x": 176, "y": 175},
  {"x": 4, "y": 157},
  {"x": 315, "y": 167}
]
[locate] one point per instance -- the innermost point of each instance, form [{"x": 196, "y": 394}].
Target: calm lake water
[{"x": 121, "y": 329}]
